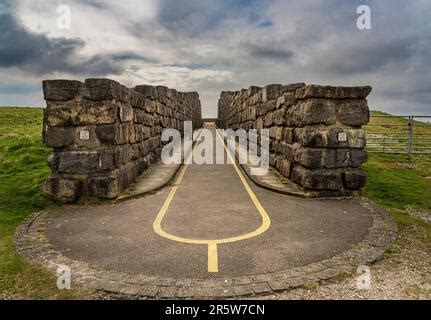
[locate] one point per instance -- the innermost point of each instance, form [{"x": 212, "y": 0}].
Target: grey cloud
[
  {"x": 268, "y": 51},
  {"x": 371, "y": 56},
  {"x": 38, "y": 54},
  {"x": 95, "y": 3},
  {"x": 19, "y": 88},
  {"x": 192, "y": 18}
]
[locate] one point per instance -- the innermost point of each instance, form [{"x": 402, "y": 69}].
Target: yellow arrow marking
[{"x": 212, "y": 244}]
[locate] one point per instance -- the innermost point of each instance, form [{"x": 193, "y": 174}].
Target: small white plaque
[
  {"x": 342, "y": 137},
  {"x": 84, "y": 135}
]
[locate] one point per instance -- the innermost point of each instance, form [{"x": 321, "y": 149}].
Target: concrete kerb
[
  {"x": 31, "y": 242},
  {"x": 300, "y": 194},
  {"x": 267, "y": 186},
  {"x": 163, "y": 183}
]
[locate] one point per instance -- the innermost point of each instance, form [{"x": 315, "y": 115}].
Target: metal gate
[{"x": 399, "y": 134}]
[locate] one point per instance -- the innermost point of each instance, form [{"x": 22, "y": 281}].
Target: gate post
[{"x": 410, "y": 135}]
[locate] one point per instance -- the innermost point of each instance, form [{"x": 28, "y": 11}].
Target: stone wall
[
  {"x": 104, "y": 134},
  {"x": 316, "y": 139}
]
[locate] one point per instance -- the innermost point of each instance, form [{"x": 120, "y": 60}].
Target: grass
[
  {"x": 396, "y": 182},
  {"x": 23, "y": 169}
]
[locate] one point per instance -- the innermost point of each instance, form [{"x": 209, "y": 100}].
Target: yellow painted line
[
  {"x": 212, "y": 243},
  {"x": 212, "y": 257}
]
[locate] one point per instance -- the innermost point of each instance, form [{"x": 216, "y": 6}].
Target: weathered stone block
[
  {"x": 107, "y": 187},
  {"x": 358, "y": 157},
  {"x": 150, "y": 106},
  {"x": 126, "y": 113},
  {"x": 279, "y": 133},
  {"x": 285, "y": 168},
  {"x": 109, "y": 159},
  {"x": 128, "y": 174},
  {"x": 60, "y": 90},
  {"x": 252, "y": 90},
  {"x": 51, "y": 186},
  {"x": 314, "y": 91},
  {"x": 288, "y": 134},
  {"x": 269, "y": 106},
  {"x": 103, "y": 113},
  {"x": 259, "y": 123},
  {"x": 58, "y": 114},
  {"x": 112, "y": 134},
  {"x": 139, "y": 132},
  {"x": 290, "y": 100},
  {"x": 272, "y": 132},
  {"x": 155, "y": 142},
  {"x": 162, "y": 94},
  {"x": 281, "y": 102},
  {"x": 150, "y": 120},
  {"x": 274, "y": 145},
  {"x": 279, "y": 117},
  {"x": 309, "y": 158},
  {"x": 105, "y": 89},
  {"x": 79, "y": 162},
  {"x": 131, "y": 133},
  {"x": 160, "y": 108},
  {"x": 53, "y": 162},
  {"x": 147, "y": 132},
  {"x": 80, "y": 113},
  {"x": 271, "y": 92},
  {"x": 64, "y": 190},
  {"x": 335, "y": 158},
  {"x": 57, "y": 137},
  {"x": 134, "y": 152},
  {"x": 354, "y": 112},
  {"x": 143, "y": 163},
  {"x": 310, "y": 137},
  {"x": 312, "y": 111},
  {"x": 70, "y": 190},
  {"x": 355, "y": 179},
  {"x": 136, "y": 99},
  {"x": 144, "y": 148},
  {"x": 269, "y": 119},
  {"x": 319, "y": 179},
  {"x": 291, "y": 88},
  {"x": 123, "y": 154},
  {"x": 287, "y": 150},
  {"x": 272, "y": 159},
  {"x": 260, "y": 109},
  {"x": 147, "y": 91}
]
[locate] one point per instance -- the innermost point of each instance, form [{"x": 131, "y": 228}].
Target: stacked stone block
[
  {"x": 316, "y": 139},
  {"x": 104, "y": 134}
]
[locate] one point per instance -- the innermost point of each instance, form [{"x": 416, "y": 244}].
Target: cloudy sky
[{"x": 214, "y": 45}]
